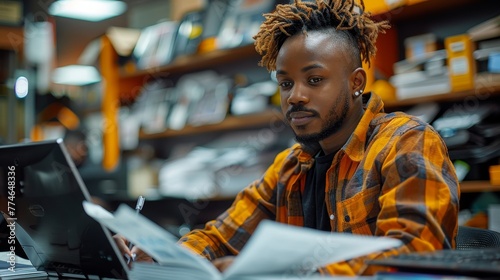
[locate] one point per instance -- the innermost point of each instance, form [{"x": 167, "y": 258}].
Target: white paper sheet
[
  {"x": 274, "y": 249},
  {"x": 277, "y": 248},
  {"x": 150, "y": 237}
]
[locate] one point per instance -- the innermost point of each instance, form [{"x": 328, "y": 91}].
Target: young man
[{"x": 357, "y": 169}]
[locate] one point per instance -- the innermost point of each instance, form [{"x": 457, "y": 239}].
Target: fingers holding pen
[
  {"x": 123, "y": 245},
  {"x": 140, "y": 256},
  {"x": 131, "y": 253}
]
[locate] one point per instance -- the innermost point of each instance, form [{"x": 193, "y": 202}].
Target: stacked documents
[
  {"x": 179, "y": 270},
  {"x": 19, "y": 269},
  {"x": 421, "y": 76}
]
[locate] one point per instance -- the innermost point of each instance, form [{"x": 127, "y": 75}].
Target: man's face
[{"x": 313, "y": 76}]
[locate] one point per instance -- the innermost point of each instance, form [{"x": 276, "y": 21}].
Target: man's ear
[{"x": 357, "y": 81}]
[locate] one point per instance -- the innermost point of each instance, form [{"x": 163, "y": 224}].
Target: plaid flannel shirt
[{"x": 393, "y": 178}]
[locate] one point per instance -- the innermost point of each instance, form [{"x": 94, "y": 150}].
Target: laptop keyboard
[
  {"x": 456, "y": 262},
  {"x": 463, "y": 256}
]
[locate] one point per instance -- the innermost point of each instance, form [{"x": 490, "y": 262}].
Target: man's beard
[{"x": 331, "y": 125}]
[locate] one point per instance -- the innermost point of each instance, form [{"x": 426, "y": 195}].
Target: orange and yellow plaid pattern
[{"x": 392, "y": 178}]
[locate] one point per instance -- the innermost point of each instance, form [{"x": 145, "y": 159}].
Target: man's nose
[{"x": 297, "y": 95}]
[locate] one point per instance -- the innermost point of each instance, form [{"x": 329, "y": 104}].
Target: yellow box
[
  {"x": 461, "y": 65},
  {"x": 377, "y": 7},
  {"x": 495, "y": 175}
]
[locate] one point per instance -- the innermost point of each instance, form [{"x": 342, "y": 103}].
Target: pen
[{"x": 138, "y": 208}]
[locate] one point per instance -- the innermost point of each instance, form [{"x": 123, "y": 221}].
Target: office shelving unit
[{"x": 416, "y": 12}]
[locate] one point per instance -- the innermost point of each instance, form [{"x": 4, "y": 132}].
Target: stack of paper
[
  {"x": 22, "y": 269},
  {"x": 422, "y": 76}
]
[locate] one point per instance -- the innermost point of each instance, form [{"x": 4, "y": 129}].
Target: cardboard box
[
  {"x": 419, "y": 46},
  {"x": 461, "y": 64}
]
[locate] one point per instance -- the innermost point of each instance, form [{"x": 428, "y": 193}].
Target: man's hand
[
  {"x": 122, "y": 244},
  {"x": 135, "y": 254},
  {"x": 223, "y": 263}
]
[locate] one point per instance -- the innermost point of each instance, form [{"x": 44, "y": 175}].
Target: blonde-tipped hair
[{"x": 345, "y": 16}]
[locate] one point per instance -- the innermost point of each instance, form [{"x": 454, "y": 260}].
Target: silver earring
[{"x": 357, "y": 93}]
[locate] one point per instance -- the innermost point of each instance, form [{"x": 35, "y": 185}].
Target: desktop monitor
[{"x": 46, "y": 192}]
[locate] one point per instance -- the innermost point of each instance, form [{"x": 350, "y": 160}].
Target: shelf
[
  {"x": 487, "y": 87},
  {"x": 482, "y": 92},
  {"x": 11, "y": 38},
  {"x": 193, "y": 62},
  {"x": 131, "y": 83},
  {"x": 413, "y": 9},
  {"x": 270, "y": 118},
  {"x": 477, "y": 186}
]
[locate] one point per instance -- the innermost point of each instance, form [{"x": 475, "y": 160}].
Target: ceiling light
[
  {"x": 91, "y": 10},
  {"x": 21, "y": 87},
  {"x": 76, "y": 75}
]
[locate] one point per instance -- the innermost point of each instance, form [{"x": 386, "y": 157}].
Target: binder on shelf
[{"x": 461, "y": 64}]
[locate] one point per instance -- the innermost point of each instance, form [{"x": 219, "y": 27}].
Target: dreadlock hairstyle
[{"x": 343, "y": 15}]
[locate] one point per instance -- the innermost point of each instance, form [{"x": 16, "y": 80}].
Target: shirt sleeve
[
  {"x": 228, "y": 233},
  {"x": 419, "y": 198}
]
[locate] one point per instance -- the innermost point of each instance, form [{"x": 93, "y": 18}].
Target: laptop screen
[{"x": 46, "y": 192}]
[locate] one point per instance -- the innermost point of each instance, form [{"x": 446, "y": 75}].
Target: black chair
[{"x": 476, "y": 238}]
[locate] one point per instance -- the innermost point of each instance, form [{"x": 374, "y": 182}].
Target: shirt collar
[{"x": 355, "y": 146}]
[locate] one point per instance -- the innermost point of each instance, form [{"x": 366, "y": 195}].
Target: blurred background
[{"x": 165, "y": 98}]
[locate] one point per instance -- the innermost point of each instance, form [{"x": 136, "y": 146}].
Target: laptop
[{"x": 51, "y": 225}]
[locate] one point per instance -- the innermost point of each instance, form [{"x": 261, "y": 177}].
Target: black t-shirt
[{"x": 313, "y": 198}]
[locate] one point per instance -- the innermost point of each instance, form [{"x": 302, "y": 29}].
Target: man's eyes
[
  {"x": 285, "y": 84},
  {"x": 315, "y": 80},
  {"x": 311, "y": 81}
]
